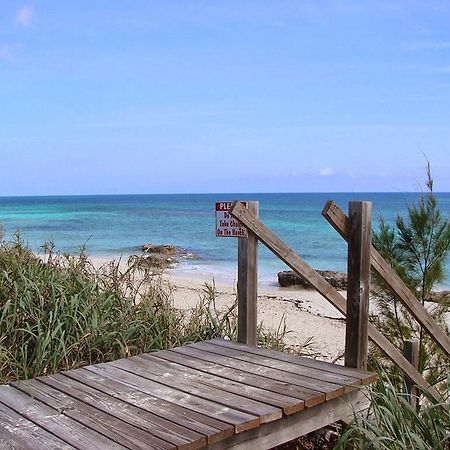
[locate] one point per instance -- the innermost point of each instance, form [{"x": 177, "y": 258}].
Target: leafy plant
[
  {"x": 391, "y": 422},
  {"x": 417, "y": 247},
  {"x": 58, "y": 312}
]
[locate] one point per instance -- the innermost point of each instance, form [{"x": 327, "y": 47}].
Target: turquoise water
[{"x": 114, "y": 225}]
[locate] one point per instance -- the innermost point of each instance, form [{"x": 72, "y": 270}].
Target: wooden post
[
  {"x": 411, "y": 353},
  {"x": 358, "y": 284},
  {"x": 247, "y": 285}
]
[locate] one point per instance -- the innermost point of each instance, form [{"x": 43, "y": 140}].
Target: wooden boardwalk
[{"x": 216, "y": 394}]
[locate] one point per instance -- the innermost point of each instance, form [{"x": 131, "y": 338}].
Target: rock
[
  {"x": 289, "y": 278},
  {"x": 163, "y": 256},
  {"x": 166, "y": 249}
]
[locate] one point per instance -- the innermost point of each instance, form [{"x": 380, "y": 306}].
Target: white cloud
[
  {"x": 24, "y": 16},
  {"x": 326, "y": 172}
]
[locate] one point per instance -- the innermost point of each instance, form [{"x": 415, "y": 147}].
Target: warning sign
[{"x": 226, "y": 224}]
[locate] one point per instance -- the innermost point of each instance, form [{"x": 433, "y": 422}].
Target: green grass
[
  {"x": 60, "y": 312},
  {"x": 392, "y": 423}
]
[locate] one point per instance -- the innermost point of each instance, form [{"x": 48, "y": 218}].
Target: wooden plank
[
  {"x": 247, "y": 285},
  {"x": 109, "y": 425},
  {"x": 214, "y": 429},
  {"x": 54, "y": 422},
  {"x": 273, "y": 434},
  {"x": 320, "y": 379},
  {"x": 239, "y": 382},
  {"x": 339, "y": 221},
  {"x": 357, "y": 375},
  {"x": 312, "y": 394},
  {"x": 309, "y": 396},
  {"x": 17, "y": 432},
  {"x": 278, "y": 370},
  {"x": 169, "y": 434},
  {"x": 159, "y": 371},
  {"x": 190, "y": 371},
  {"x": 241, "y": 421},
  {"x": 358, "y": 284},
  {"x": 298, "y": 265},
  {"x": 411, "y": 353}
]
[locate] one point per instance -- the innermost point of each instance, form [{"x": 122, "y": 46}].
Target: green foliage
[
  {"x": 60, "y": 312},
  {"x": 391, "y": 423},
  {"x": 417, "y": 247}
]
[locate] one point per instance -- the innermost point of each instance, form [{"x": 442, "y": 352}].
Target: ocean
[{"x": 113, "y": 225}]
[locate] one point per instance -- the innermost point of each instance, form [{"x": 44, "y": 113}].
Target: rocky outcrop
[
  {"x": 161, "y": 249},
  {"x": 163, "y": 256},
  {"x": 289, "y": 278}
]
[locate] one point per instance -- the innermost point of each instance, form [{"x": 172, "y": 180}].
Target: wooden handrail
[
  {"x": 298, "y": 265},
  {"x": 340, "y": 222}
]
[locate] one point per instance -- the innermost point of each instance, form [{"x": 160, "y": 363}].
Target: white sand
[{"x": 308, "y": 316}]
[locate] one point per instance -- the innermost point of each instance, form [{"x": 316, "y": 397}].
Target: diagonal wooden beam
[
  {"x": 298, "y": 265},
  {"x": 339, "y": 221}
]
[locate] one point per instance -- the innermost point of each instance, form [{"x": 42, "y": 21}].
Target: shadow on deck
[{"x": 216, "y": 394}]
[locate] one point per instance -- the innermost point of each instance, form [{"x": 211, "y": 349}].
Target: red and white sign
[{"x": 226, "y": 224}]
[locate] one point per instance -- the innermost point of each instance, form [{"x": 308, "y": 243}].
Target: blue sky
[{"x": 223, "y": 96}]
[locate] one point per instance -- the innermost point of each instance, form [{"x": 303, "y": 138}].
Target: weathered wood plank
[
  {"x": 110, "y": 426},
  {"x": 275, "y": 433},
  {"x": 168, "y": 434},
  {"x": 357, "y": 375},
  {"x": 17, "y": 432},
  {"x": 298, "y": 265},
  {"x": 239, "y": 382},
  {"x": 214, "y": 429},
  {"x": 358, "y": 284},
  {"x": 278, "y": 370},
  {"x": 309, "y": 396},
  {"x": 313, "y": 375},
  {"x": 241, "y": 389},
  {"x": 247, "y": 285},
  {"x": 159, "y": 371},
  {"x": 241, "y": 421},
  {"x": 340, "y": 222},
  {"x": 54, "y": 422},
  {"x": 411, "y": 353}
]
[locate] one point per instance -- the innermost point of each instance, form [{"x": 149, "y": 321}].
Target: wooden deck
[{"x": 216, "y": 394}]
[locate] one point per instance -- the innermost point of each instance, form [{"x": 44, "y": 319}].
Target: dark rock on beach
[
  {"x": 164, "y": 256},
  {"x": 289, "y": 278},
  {"x": 161, "y": 249}
]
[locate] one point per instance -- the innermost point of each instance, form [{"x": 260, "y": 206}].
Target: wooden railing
[{"x": 357, "y": 231}]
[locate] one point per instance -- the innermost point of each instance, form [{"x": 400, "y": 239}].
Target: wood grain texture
[
  {"x": 204, "y": 395},
  {"x": 180, "y": 379},
  {"x": 247, "y": 285},
  {"x": 298, "y": 265},
  {"x": 273, "y": 434},
  {"x": 17, "y": 432},
  {"x": 358, "y": 284},
  {"x": 109, "y": 425},
  {"x": 215, "y": 430},
  {"x": 52, "y": 421},
  {"x": 193, "y": 370},
  {"x": 358, "y": 376},
  {"x": 241, "y": 421}
]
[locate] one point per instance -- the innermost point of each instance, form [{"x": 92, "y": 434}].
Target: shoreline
[{"x": 308, "y": 316}]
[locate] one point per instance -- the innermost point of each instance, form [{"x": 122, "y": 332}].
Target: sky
[{"x": 173, "y": 96}]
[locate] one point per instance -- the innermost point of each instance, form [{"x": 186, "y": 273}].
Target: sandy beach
[{"x": 308, "y": 316}]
